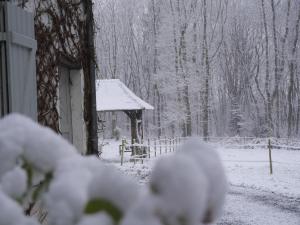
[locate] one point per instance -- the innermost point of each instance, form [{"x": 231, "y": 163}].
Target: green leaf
[
  {"x": 29, "y": 171},
  {"x": 182, "y": 220},
  {"x": 154, "y": 189},
  {"x": 102, "y": 205},
  {"x": 42, "y": 186}
]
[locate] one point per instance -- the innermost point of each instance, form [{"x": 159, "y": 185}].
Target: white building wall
[{"x": 77, "y": 104}]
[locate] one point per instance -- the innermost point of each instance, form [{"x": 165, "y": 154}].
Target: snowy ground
[{"x": 255, "y": 197}]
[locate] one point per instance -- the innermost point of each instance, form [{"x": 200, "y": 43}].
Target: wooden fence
[
  {"x": 153, "y": 148},
  {"x": 150, "y": 148}
]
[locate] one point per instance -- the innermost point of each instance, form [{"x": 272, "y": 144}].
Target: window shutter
[{"x": 18, "y": 61}]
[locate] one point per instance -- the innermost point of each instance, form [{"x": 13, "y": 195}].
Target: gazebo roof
[{"x": 113, "y": 95}]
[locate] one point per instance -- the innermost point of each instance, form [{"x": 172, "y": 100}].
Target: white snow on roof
[{"x": 113, "y": 95}]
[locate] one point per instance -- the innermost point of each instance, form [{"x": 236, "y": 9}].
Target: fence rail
[{"x": 152, "y": 148}]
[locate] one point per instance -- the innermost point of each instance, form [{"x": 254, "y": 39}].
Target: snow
[
  {"x": 80, "y": 179},
  {"x": 182, "y": 195},
  {"x": 173, "y": 179},
  {"x": 9, "y": 152},
  {"x": 255, "y": 197},
  {"x": 209, "y": 162},
  {"x": 11, "y": 213},
  {"x": 98, "y": 219},
  {"x": 38, "y": 145},
  {"x": 244, "y": 167},
  {"x": 76, "y": 179},
  {"x": 67, "y": 197},
  {"x": 113, "y": 95},
  {"x": 113, "y": 186},
  {"x": 143, "y": 212},
  {"x": 187, "y": 186},
  {"x": 256, "y": 207},
  {"x": 250, "y": 168},
  {"x": 68, "y": 194},
  {"x": 14, "y": 182}
]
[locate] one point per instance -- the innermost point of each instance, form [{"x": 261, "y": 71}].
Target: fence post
[
  {"x": 122, "y": 151},
  {"x": 173, "y": 142},
  {"x": 270, "y": 156},
  {"x": 159, "y": 142},
  {"x": 134, "y": 150},
  {"x": 166, "y": 145},
  {"x": 154, "y": 147},
  {"x": 149, "y": 149}
]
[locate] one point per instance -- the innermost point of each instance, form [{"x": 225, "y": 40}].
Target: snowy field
[{"x": 255, "y": 197}]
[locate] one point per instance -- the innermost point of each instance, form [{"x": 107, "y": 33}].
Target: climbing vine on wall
[{"x": 60, "y": 30}]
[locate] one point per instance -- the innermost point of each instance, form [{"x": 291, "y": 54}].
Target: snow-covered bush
[
  {"x": 210, "y": 164},
  {"x": 187, "y": 188}
]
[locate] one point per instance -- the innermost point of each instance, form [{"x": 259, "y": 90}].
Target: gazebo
[{"x": 113, "y": 95}]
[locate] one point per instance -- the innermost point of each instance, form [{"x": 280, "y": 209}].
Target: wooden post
[
  {"x": 173, "y": 141},
  {"x": 133, "y": 150},
  {"x": 159, "y": 142},
  {"x": 270, "y": 156},
  {"x": 149, "y": 148},
  {"x": 166, "y": 145},
  {"x": 122, "y": 151},
  {"x": 154, "y": 147}
]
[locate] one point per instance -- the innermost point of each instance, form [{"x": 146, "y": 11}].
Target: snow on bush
[
  {"x": 210, "y": 164},
  {"x": 187, "y": 188},
  {"x": 98, "y": 219},
  {"x": 38, "y": 145},
  {"x": 11, "y": 213},
  {"x": 82, "y": 185},
  {"x": 14, "y": 183},
  {"x": 144, "y": 211},
  {"x": 31, "y": 149},
  {"x": 181, "y": 188}
]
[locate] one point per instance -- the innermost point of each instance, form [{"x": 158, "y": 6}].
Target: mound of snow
[
  {"x": 98, "y": 219},
  {"x": 80, "y": 179},
  {"x": 209, "y": 163},
  {"x": 182, "y": 189},
  {"x": 38, "y": 145},
  {"x": 14, "y": 182},
  {"x": 11, "y": 213},
  {"x": 145, "y": 211}
]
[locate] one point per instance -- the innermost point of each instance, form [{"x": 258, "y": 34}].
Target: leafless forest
[{"x": 209, "y": 67}]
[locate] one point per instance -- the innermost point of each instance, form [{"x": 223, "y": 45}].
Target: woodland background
[{"x": 209, "y": 67}]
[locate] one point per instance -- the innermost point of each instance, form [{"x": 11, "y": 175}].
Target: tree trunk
[
  {"x": 267, "y": 80},
  {"x": 276, "y": 75},
  {"x": 90, "y": 114},
  {"x": 292, "y": 69},
  {"x": 207, "y": 75}
]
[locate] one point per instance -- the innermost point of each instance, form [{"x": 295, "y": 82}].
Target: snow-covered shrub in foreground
[
  {"x": 210, "y": 164},
  {"x": 187, "y": 188}
]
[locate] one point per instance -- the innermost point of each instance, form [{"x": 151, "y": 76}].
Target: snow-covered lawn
[
  {"x": 255, "y": 196},
  {"x": 250, "y": 168},
  {"x": 244, "y": 167}
]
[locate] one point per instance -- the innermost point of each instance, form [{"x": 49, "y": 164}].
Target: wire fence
[{"x": 153, "y": 148}]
